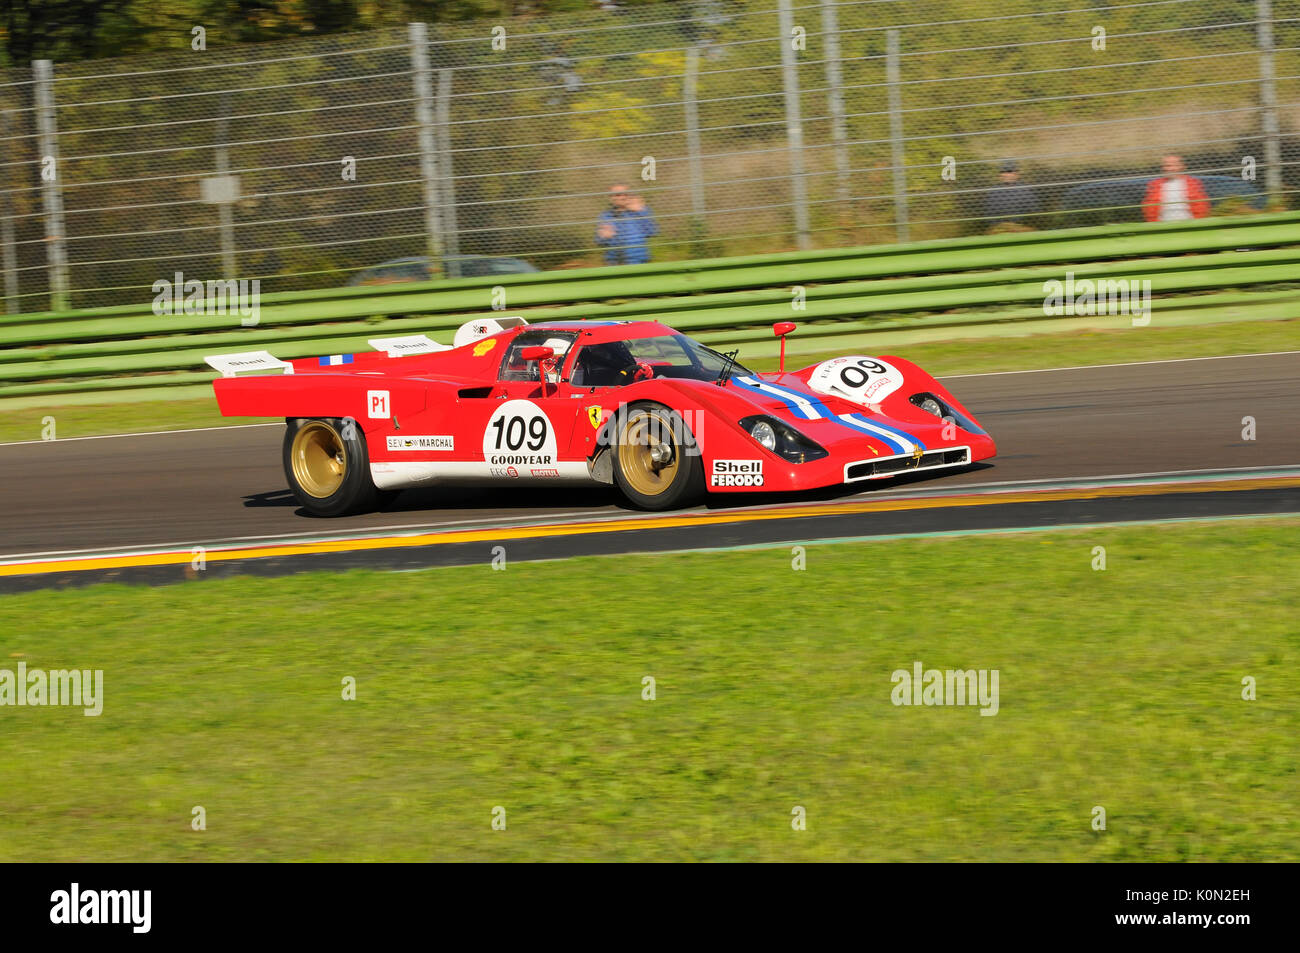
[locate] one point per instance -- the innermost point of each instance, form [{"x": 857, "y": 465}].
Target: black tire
[
  {"x": 328, "y": 467},
  {"x": 638, "y": 434}
]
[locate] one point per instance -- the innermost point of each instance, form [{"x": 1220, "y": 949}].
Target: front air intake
[{"x": 908, "y": 463}]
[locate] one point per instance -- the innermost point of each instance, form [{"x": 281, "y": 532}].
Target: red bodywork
[{"x": 449, "y": 415}]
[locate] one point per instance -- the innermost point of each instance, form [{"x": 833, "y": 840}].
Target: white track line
[
  {"x": 1082, "y": 481},
  {"x": 145, "y": 433},
  {"x": 362, "y": 532}
]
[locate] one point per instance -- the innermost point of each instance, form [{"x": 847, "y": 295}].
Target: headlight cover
[
  {"x": 789, "y": 444},
  {"x": 765, "y": 434},
  {"x": 961, "y": 420}
]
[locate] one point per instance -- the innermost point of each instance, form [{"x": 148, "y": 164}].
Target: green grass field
[
  {"x": 22, "y": 419},
  {"x": 523, "y": 689}
]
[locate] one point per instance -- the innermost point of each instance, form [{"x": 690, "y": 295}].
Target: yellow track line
[{"x": 449, "y": 537}]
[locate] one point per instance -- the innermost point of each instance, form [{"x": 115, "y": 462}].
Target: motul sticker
[
  {"x": 737, "y": 473},
  {"x": 422, "y": 443}
]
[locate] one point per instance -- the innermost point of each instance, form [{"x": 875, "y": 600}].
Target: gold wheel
[
  {"x": 647, "y": 453},
  {"x": 320, "y": 461}
]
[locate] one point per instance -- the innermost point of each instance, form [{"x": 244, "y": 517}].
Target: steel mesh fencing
[{"x": 469, "y": 148}]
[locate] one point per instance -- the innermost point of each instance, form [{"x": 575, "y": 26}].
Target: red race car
[{"x": 634, "y": 404}]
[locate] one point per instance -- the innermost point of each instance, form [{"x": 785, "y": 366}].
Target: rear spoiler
[
  {"x": 411, "y": 344},
  {"x": 230, "y": 365}
]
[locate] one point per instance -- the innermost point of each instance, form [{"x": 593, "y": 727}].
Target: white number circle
[
  {"x": 519, "y": 433},
  {"x": 863, "y": 380}
]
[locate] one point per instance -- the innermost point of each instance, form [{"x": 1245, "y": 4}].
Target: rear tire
[
  {"x": 328, "y": 467},
  {"x": 656, "y": 462}
]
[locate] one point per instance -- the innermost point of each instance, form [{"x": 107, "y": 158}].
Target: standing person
[
  {"x": 1175, "y": 196},
  {"x": 625, "y": 227},
  {"x": 1010, "y": 200}
]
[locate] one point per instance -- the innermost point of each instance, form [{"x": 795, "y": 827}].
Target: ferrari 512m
[{"x": 634, "y": 404}]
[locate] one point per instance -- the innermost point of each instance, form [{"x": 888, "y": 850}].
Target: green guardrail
[{"x": 1203, "y": 270}]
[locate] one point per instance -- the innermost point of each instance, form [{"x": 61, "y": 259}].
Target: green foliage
[
  {"x": 71, "y": 30},
  {"x": 541, "y": 129}
]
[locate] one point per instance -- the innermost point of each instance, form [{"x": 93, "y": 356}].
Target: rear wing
[
  {"x": 248, "y": 362},
  {"x": 411, "y": 344},
  {"x": 231, "y": 365}
]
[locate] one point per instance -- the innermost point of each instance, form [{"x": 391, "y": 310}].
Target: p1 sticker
[
  {"x": 863, "y": 380},
  {"x": 484, "y": 346},
  {"x": 737, "y": 473},
  {"x": 378, "y": 405}
]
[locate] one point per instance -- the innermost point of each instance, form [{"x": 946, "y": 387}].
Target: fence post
[
  {"x": 690, "y": 99},
  {"x": 835, "y": 102},
  {"x": 446, "y": 169},
  {"x": 1268, "y": 98},
  {"x": 793, "y": 125},
  {"x": 12, "y": 303},
  {"x": 226, "y": 202},
  {"x": 418, "y": 37},
  {"x": 51, "y": 189},
  {"x": 898, "y": 160}
]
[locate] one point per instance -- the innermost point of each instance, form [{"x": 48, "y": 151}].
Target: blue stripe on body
[{"x": 786, "y": 396}]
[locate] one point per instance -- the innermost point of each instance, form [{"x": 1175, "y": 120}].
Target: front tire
[
  {"x": 656, "y": 462},
  {"x": 328, "y": 467}
]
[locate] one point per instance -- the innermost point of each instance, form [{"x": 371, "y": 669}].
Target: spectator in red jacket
[{"x": 1175, "y": 196}]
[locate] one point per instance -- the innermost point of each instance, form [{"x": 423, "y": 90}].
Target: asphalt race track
[{"x": 1115, "y": 443}]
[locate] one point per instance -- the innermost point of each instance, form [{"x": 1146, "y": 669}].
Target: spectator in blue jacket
[
  {"x": 1010, "y": 200},
  {"x": 625, "y": 227}
]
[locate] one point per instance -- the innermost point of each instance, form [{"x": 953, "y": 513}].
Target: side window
[
  {"x": 510, "y": 266},
  {"x": 657, "y": 349},
  {"x": 401, "y": 271},
  {"x": 598, "y": 365}
]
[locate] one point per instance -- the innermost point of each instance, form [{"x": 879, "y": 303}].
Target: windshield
[{"x": 669, "y": 355}]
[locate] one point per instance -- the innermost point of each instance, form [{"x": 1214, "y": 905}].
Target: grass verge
[{"x": 523, "y": 689}]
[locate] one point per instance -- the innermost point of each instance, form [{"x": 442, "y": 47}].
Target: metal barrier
[{"x": 1236, "y": 266}]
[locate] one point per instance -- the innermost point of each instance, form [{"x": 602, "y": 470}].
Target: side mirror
[
  {"x": 781, "y": 329},
  {"x": 537, "y": 353}
]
